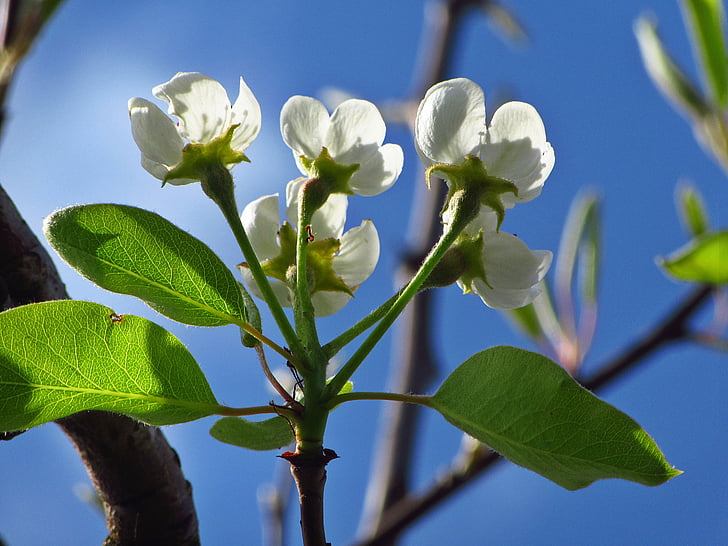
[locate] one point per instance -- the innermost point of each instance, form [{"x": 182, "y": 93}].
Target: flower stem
[
  {"x": 418, "y": 399},
  {"x": 220, "y": 188},
  {"x": 343, "y": 339},
  {"x": 464, "y": 209}
]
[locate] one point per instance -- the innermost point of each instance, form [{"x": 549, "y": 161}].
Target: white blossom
[
  {"x": 353, "y": 134},
  {"x": 450, "y": 125},
  {"x": 204, "y": 113}
]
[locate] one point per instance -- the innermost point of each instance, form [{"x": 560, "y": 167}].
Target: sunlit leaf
[
  {"x": 532, "y": 412},
  {"x": 58, "y": 358},
  {"x": 258, "y": 435},
  {"x": 134, "y": 251},
  {"x": 704, "y": 259}
]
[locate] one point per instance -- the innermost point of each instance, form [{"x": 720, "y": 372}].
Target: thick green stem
[
  {"x": 464, "y": 208},
  {"x": 303, "y": 310}
]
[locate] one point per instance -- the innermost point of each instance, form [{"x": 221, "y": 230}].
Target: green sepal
[
  {"x": 334, "y": 177},
  {"x": 530, "y": 410},
  {"x": 199, "y": 159},
  {"x": 472, "y": 177},
  {"x": 321, "y": 274},
  {"x": 704, "y": 260},
  {"x": 62, "y": 357},
  {"x": 320, "y": 255},
  {"x": 471, "y": 249},
  {"x": 279, "y": 266},
  {"x": 257, "y": 435}
]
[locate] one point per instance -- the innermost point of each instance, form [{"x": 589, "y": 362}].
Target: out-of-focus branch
[
  {"x": 673, "y": 328},
  {"x": 413, "y": 368},
  {"x": 135, "y": 471},
  {"x": 21, "y": 21}
]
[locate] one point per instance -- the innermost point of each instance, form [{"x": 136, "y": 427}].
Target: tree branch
[
  {"x": 413, "y": 351},
  {"x": 135, "y": 471}
]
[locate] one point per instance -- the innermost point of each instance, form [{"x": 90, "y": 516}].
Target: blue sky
[{"x": 68, "y": 141}]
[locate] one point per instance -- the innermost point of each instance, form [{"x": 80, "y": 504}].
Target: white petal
[
  {"x": 379, "y": 172},
  {"x": 356, "y": 132},
  {"x": 516, "y": 149},
  {"x": 505, "y": 298},
  {"x": 280, "y": 289},
  {"x": 358, "y": 254},
  {"x": 156, "y": 136},
  {"x": 328, "y": 221},
  {"x": 246, "y": 112},
  {"x": 304, "y": 123},
  {"x": 450, "y": 122},
  {"x": 262, "y": 220},
  {"x": 328, "y": 303},
  {"x": 486, "y": 220},
  {"x": 200, "y": 103},
  {"x": 509, "y": 263}
]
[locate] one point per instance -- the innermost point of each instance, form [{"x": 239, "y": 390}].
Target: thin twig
[{"x": 673, "y": 328}]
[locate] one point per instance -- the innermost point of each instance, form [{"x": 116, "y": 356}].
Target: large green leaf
[
  {"x": 62, "y": 357},
  {"x": 137, "y": 252},
  {"x": 532, "y": 412},
  {"x": 258, "y": 435},
  {"x": 704, "y": 259}
]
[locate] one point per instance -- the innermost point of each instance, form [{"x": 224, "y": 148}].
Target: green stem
[
  {"x": 464, "y": 208},
  {"x": 418, "y": 399},
  {"x": 336, "y": 344},
  {"x": 223, "y": 195},
  {"x": 256, "y": 410},
  {"x": 303, "y": 311},
  {"x": 257, "y": 334}
]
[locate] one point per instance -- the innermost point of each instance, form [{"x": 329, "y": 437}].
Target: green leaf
[
  {"x": 259, "y": 435},
  {"x": 665, "y": 73},
  {"x": 136, "y": 252},
  {"x": 532, "y": 412},
  {"x": 63, "y": 357},
  {"x": 706, "y": 19},
  {"x": 691, "y": 208},
  {"x": 704, "y": 259},
  {"x": 527, "y": 320}
]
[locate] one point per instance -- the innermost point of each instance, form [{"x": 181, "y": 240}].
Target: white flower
[
  {"x": 204, "y": 112},
  {"x": 352, "y": 264},
  {"x": 352, "y": 135},
  {"x": 450, "y": 125},
  {"x": 512, "y": 270}
]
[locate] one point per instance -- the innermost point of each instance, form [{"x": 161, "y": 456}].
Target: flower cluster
[
  {"x": 501, "y": 165},
  {"x": 513, "y": 160}
]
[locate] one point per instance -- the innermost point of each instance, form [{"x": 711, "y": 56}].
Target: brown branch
[
  {"x": 135, "y": 471},
  {"x": 413, "y": 369},
  {"x": 673, "y": 328}
]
